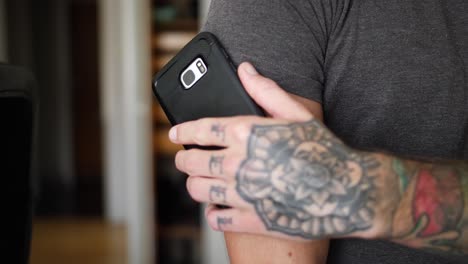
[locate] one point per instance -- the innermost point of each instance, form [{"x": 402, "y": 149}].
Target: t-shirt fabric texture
[{"x": 391, "y": 76}]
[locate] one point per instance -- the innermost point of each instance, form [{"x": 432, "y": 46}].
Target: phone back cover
[{"x": 219, "y": 93}]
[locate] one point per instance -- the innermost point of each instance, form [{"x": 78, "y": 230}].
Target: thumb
[{"x": 268, "y": 95}]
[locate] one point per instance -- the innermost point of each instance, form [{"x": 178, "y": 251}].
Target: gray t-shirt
[{"x": 391, "y": 76}]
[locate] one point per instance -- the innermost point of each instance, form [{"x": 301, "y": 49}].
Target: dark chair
[{"x": 17, "y": 126}]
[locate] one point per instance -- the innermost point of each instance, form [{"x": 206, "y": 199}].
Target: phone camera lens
[{"x": 189, "y": 78}]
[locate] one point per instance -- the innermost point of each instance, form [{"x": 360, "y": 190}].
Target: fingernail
[
  {"x": 173, "y": 134},
  {"x": 250, "y": 69}
]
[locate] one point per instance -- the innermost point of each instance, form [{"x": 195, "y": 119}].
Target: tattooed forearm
[
  {"x": 216, "y": 164},
  {"x": 304, "y": 182},
  {"x": 433, "y": 212}
]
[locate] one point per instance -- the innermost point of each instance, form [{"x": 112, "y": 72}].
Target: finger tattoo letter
[
  {"x": 216, "y": 164},
  {"x": 217, "y": 194},
  {"x": 304, "y": 182},
  {"x": 219, "y": 131},
  {"x": 223, "y": 221}
]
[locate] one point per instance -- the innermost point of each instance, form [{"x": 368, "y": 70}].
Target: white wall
[
  {"x": 125, "y": 30},
  {"x": 3, "y": 33},
  {"x": 111, "y": 112}
]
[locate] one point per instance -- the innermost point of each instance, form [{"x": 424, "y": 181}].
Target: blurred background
[{"x": 105, "y": 187}]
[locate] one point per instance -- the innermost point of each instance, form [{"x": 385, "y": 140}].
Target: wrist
[{"x": 384, "y": 196}]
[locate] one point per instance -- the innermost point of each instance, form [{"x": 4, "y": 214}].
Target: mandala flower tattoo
[{"x": 304, "y": 182}]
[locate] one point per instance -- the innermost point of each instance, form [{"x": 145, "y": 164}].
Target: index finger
[{"x": 202, "y": 132}]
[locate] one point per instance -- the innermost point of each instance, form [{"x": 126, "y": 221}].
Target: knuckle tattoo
[
  {"x": 216, "y": 165},
  {"x": 223, "y": 222},
  {"x": 218, "y": 194},
  {"x": 219, "y": 131}
]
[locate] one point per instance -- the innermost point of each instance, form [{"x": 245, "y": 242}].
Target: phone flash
[
  {"x": 202, "y": 69},
  {"x": 195, "y": 71}
]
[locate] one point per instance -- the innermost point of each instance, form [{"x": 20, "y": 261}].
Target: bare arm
[{"x": 247, "y": 248}]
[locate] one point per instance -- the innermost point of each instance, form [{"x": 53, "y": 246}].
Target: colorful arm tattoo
[
  {"x": 303, "y": 182},
  {"x": 433, "y": 212}
]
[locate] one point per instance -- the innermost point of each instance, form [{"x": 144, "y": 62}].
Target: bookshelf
[{"x": 174, "y": 23}]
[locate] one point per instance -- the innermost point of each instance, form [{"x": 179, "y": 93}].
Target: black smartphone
[{"x": 201, "y": 81}]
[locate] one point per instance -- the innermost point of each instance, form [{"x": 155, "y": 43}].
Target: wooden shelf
[
  {"x": 185, "y": 24},
  {"x": 166, "y": 41},
  {"x": 160, "y": 60},
  {"x": 172, "y": 41},
  {"x": 159, "y": 116},
  {"x": 180, "y": 232},
  {"x": 78, "y": 240},
  {"x": 167, "y": 44},
  {"x": 162, "y": 145}
]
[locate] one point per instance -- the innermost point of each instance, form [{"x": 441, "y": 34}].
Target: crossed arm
[{"x": 289, "y": 177}]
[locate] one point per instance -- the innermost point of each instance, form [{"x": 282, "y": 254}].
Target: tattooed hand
[
  {"x": 304, "y": 182},
  {"x": 283, "y": 176}
]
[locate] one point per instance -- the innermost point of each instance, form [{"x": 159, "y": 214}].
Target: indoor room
[{"x": 103, "y": 187}]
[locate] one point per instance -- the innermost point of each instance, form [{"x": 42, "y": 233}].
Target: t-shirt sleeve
[{"x": 285, "y": 40}]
